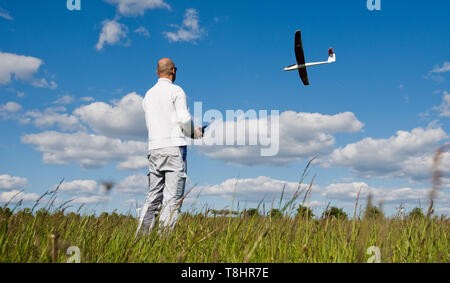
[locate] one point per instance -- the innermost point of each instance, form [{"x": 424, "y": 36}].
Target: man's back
[{"x": 166, "y": 114}]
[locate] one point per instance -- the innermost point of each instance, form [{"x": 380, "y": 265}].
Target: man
[{"x": 168, "y": 123}]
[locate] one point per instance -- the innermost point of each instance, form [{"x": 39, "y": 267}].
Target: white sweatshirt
[{"x": 167, "y": 116}]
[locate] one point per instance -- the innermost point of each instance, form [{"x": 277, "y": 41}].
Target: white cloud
[
  {"x": 8, "y": 182},
  {"x": 133, "y": 163},
  {"x": 123, "y": 119},
  {"x": 8, "y": 110},
  {"x": 87, "y": 99},
  {"x": 51, "y": 117},
  {"x": 63, "y": 100},
  {"x": 90, "y": 199},
  {"x": 134, "y": 184},
  {"x": 133, "y": 8},
  {"x": 406, "y": 154},
  {"x": 22, "y": 67},
  {"x": 44, "y": 84},
  {"x": 444, "y": 210},
  {"x": 253, "y": 189},
  {"x": 5, "y": 14},
  {"x": 90, "y": 151},
  {"x": 301, "y": 135},
  {"x": 16, "y": 196},
  {"x": 444, "y": 108},
  {"x": 11, "y": 107},
  {"x": 142, "y": 31},
  {"x": 437, "y": 70},
  {"x": 112, "y": 33},
  {"x": 83, "y": 192},
  {"x": 347, "y": 192},
  {"x": 189, "y": 31},
  {"x": 80, "y": 187}
]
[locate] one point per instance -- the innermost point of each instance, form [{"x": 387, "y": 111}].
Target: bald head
[{"x": 165, "y": 67}]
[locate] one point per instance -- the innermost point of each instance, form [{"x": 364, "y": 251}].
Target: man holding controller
[{"x": 168, "y": 123}]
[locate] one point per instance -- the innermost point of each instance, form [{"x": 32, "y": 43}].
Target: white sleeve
[{"x": 183, "y": 115}]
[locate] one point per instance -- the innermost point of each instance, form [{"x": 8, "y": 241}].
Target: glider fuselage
[{"x": 297, "y": 67}]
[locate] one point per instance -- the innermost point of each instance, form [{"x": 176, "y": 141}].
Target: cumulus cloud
[
  {"x": 80, "y": 187},
  {"x": 254, "y": 189},
  {"x": 44, "y": 84},
  {"x": 82, "y": 192},
  {"x": 112, "y": 33},
  {"x": 8, "y": 182},
  {"x": 123, "y": 119},
  {"x": 52, "y": 117},
  {"x": 22, "y": 68},
  {"x": 16, "y": 196},
  {"x": 189, "y": 31},
  {"x": 406, "y": 154},
  {"x": 133, "y": 8},
  {"x": 134, "y": 184},
  {"x": 87, "y": 150},
  {"x": 133, "y": 163},
  {"x": 90, "y": 199},
  {"x": 301, "y": 135},
  {"x": 347, "y": 192},
  {"x": 8, "y": 110}
]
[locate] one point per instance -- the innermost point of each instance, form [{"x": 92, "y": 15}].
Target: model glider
[{"x": 301, "y": 65}]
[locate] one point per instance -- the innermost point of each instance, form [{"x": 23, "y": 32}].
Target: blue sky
[{"x": 71, "y": 84}]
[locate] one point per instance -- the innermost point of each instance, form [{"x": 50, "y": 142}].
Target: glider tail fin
[{"x": 331, "y": 56}]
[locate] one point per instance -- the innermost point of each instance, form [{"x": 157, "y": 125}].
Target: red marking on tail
[{"x": 330, "y": 52}]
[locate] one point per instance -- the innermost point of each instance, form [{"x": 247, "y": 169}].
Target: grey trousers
[{"x": 167, "y": 179}]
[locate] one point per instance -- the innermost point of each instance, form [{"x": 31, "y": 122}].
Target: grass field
[
  {"x": 289, "y": 234},
  {"x": 46, "y": 237}
]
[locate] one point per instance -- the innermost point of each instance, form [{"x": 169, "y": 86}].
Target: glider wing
[{"x": 300, "y": 57}]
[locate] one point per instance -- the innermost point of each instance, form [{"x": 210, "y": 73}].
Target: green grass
[
  {"x": 282, "y": 237},
  {"x": 45, "y": 237}
]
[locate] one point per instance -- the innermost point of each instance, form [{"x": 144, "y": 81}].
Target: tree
[
  {"x": 6, "y": 212},
  {"x": 305, "y": 212},
  {"x": 416, "y": 213},
  {"x": 251, "y": 212},
  {"x": 223, "y": 212},
  {"x": 104, "y": 215},
  {"x": 334, "y": 212},
  {"x": 275, "y": 213},
  {"x": 373, "y": 212}
]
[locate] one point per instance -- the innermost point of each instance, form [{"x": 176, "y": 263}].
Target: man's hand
[{"x": 198, "y": 133}]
